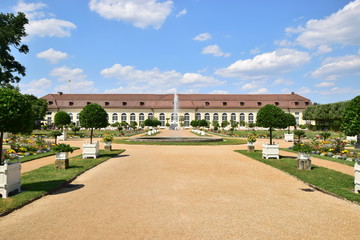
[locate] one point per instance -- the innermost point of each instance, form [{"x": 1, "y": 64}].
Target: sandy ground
[{"x": 184, "y": 192}]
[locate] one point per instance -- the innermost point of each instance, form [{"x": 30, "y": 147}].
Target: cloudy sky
[{"x": 310, "y": 47}]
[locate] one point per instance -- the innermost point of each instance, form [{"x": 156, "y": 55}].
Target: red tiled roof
[{"x": 165, "y": 101}]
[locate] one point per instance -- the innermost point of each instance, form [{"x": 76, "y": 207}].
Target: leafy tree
[
  {"x": 16, "y": 115},
  {"x": 351, "y": 120},
  {"x": 93, "y": 116},
  {"x": 61, "y": 119},
  {"x": 194, "y": 123},
  {"x": 290, "y": 121},
  {"x": 12, "y": 30},
  {"x": 224, "y": 124},
  {"x": 215, "y": 125},
  {"x": 271, "y": 117},
  {"x": 325, "y": 135},
  {"x": 55, "y": 134},
  {"x": 39, "y": 106},
  {"x": 152, "y": 122},
  {"x": 134, "y": 125},
  {"x": 203, "y": 123},
  {"x": 234, "y": 124},
  {"x": 75, "y": 129},
  {"x": 299, "y": 134}
]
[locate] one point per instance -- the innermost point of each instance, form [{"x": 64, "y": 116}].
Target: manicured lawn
[
  {"x": 39, "y": 182},
  {"x": 328, "y": 180},
  {"x": 227, "y": 141},
  {"x": 39, "y": 155},
  {"x": 325, "y": 158}
]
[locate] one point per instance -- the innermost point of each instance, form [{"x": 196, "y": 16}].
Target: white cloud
[
  {"x": 304, "y": 90},
  {"x": 215, "y": 51},
  {"x": 325, "y": 84},
  {"x": 52, "y": 55},
  {"x": 260, "y": 91},
  {"x": 341, "y": 27},
  {"x": 219, "y": 92},
  {"x": 36, "y": 87},
  {"x": 140, "y": 13},
  {"x": 30, "y": 9},
  {"x": 323, "y": 49},
  {"x": 155, "y": 80},
  {"x": 253, "y": 85},
  {"x": 284, "y": 43},
  {"x": 281, "y": 81},
  {"x": 203, "y": 37},
  {"x": 266, "y": 64},
  {"x": 255, "y": 51},
  {"x": 334, "y": 68},
  {"x": 65, "y": 73},
  {"x": 181, "y": 13},
  {"x": 337, "y": 91}
]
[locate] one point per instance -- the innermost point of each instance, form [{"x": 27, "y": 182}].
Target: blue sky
[{"x": 310, "y": 47}]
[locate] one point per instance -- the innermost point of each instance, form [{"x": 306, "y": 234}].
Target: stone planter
[
  {"x": 289, "y": 137},
  {"x": 10, "y": 178},
  {"x": 107, "y": 146},
  {"x": 250, "y": 147},
  {"x": 357, "y": 177},
  {"x": 90, "y": 150},
  {"x": 62, "y": 160},
  {"x": 270, "y": 151},
  {"x": 303, "y": 161}
]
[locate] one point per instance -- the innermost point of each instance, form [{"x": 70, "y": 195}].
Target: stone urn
[
  {"x": 10, "y": 178},
  {"x": 107, "y": 146},
  {"x": 250, "y": 147},
  {"x": 62, "y": 160},
  {"x": 357, "y": 177},
  {"x": 303, "y": 161},
  {"x": 270, "y": 151}
]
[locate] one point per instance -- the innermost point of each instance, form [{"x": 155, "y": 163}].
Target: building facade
[{"x": 241, "y": 108}]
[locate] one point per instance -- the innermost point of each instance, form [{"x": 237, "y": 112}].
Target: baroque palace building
[{"x": 212, "y": 107}]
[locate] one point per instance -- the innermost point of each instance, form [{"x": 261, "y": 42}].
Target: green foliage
[
  {"x": 134, "y": 125},
  {"x": 93, "y": 116},
  {"x": 152, "y": 122},
  {"x": 224, "y": 124},
  {"x": 302, "y": 147},
  {"x": 39, "y": 106},
  {"x": 12, "y": 30},
  {"x": 325, "y": 135},
  {"x": 75, "y": 129},
  {"x": 108, "y": 138},
  {"x": 203, "y": 123},
  {"x": 62, "y": 147},
  {"x": 194, "y": 123},
  {"x": 351, "y": 119},
  {"x": 299, "y": 134},
  {"x": 251, "y": 138},
  {"x": 61, "y": 119}
]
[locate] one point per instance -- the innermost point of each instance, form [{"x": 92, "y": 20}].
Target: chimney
[
  {"x": 60, "y": 93},
  {"x": 292, "y": 93}
]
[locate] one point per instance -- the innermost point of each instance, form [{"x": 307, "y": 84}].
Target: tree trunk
[
  {"x": 55, "y": 139},
  {"x": 1, "y": 147},
  {"x": 357, "y": 144},
  {"x": 270, "y": 135},
  {"x": 91, "y": 135},
  {"x": 288, "y": 129}
]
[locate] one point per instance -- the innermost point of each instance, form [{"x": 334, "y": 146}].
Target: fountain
[{"x": 174, "y": 125}]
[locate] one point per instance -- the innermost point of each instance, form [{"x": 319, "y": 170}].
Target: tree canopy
[
  {"x": 39, "y": 106},
  {"x": 12, "y": 30},
  {"x": 351, "y": 119},
  {"x": 61, "y": 119},
  {"x": 290, "y": 121},
  {"x": 93, "y": 116}
]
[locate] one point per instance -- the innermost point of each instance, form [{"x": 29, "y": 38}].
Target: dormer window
[
  {"x": 71, "y": 103},
  {"x": 124, "y": 103},
  {"x": 88, "y": 103},
  {"x": 107, "y": 103},
  {"x": 296, "y": 103},
  {"x": 259, "y": 103},
  {"x": 242, "y": 103},
  {"x": 142, "y": 103},
  {"x": 51, "y": 102},
  {"x": 307, "y": 103},
  {"x": 207, "y": 103},
  {"x": 224, "y": 104},
  {"x": 277, "y": 103}
]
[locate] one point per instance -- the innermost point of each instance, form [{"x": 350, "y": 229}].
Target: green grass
[
  {"x": 39, "y": 155},
  {"x": 227, "y": 141},
  {"x": 41, "y": 181},
  {"x": 351, "y": 164},
  {"x": 331, "y": 181}
]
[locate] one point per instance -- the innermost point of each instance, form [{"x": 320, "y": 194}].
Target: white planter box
[
  {"x": 62, "y": 155},
  {"x": 289, "y": 137},
  {"x": 10, "y": 178},
  {"x": 351, "y": 138},
  {"x": 90, "y": 150},
  {"x": 270, "y": 151},
  {"x": 62, "y": 160},
  {"x": 357, "y": 177}
]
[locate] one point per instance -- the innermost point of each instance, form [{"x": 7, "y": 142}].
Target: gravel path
[{"x": 184, "y": 192}]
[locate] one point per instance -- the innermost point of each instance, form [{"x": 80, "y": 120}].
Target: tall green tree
[
  {"x": 271, "y": 117},
  {"x": 61, "y": 119},
  {"x": 290, "y": 121},
  {"x": 39, "y": 106},
  {"x": 16, "y": 114},
  {"x": 93, "y": 116},
  {"x": 12, "y": 30},
  {"x": 351, "y": 120}
]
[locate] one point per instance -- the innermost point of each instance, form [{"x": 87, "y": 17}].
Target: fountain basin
[{"x": 176, "y": 139}]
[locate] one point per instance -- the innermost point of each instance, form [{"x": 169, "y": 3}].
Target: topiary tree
[
  {"x": 61, "y": 119},
  {"x": 16, "y": 114},
  {"x": 271, "y": 117},
  {"x": 203, "y": 123},
  {"x": 224, "y": 124},
  {"x": 194, "y": 123},
  {"x": 93, "y": 116},
  {"x": 351, "y": 119},
  {"x": 325, "y": 135},
  {"x": 55, "y": 134},
  {"x": 290, "y": 121},
  {"x": 299, "y": 134}
]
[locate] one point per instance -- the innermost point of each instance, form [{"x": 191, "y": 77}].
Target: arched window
[
  {"x": 141, "y": 118},
  {"x": 132, "y": 118},
  {"x": 198, "y": 116},
  {"x": 162, "y": 119},
  {"x": 216, "y": 117},
  {"x": 251, "y": 118},
  {"x": 233, "y": 117},
  {"x": 242, "y": 119},
  {"x": 71, "y": 116},
  {"x": 174, "y": 117},
  {"x": 114, "y": 117},
  {"x": 224, "y": 117},
  {"x": 150, "y": 116},
  {"x": 207, "y": 116},
  {"x": 123, "y": 117},
  {"x": 186, "y": 120}
]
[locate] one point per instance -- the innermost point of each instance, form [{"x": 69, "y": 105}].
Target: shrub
[{"x": 62, "y": 147}]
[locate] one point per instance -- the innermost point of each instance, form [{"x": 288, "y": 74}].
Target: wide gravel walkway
[{"x": 184, "y": 192}]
